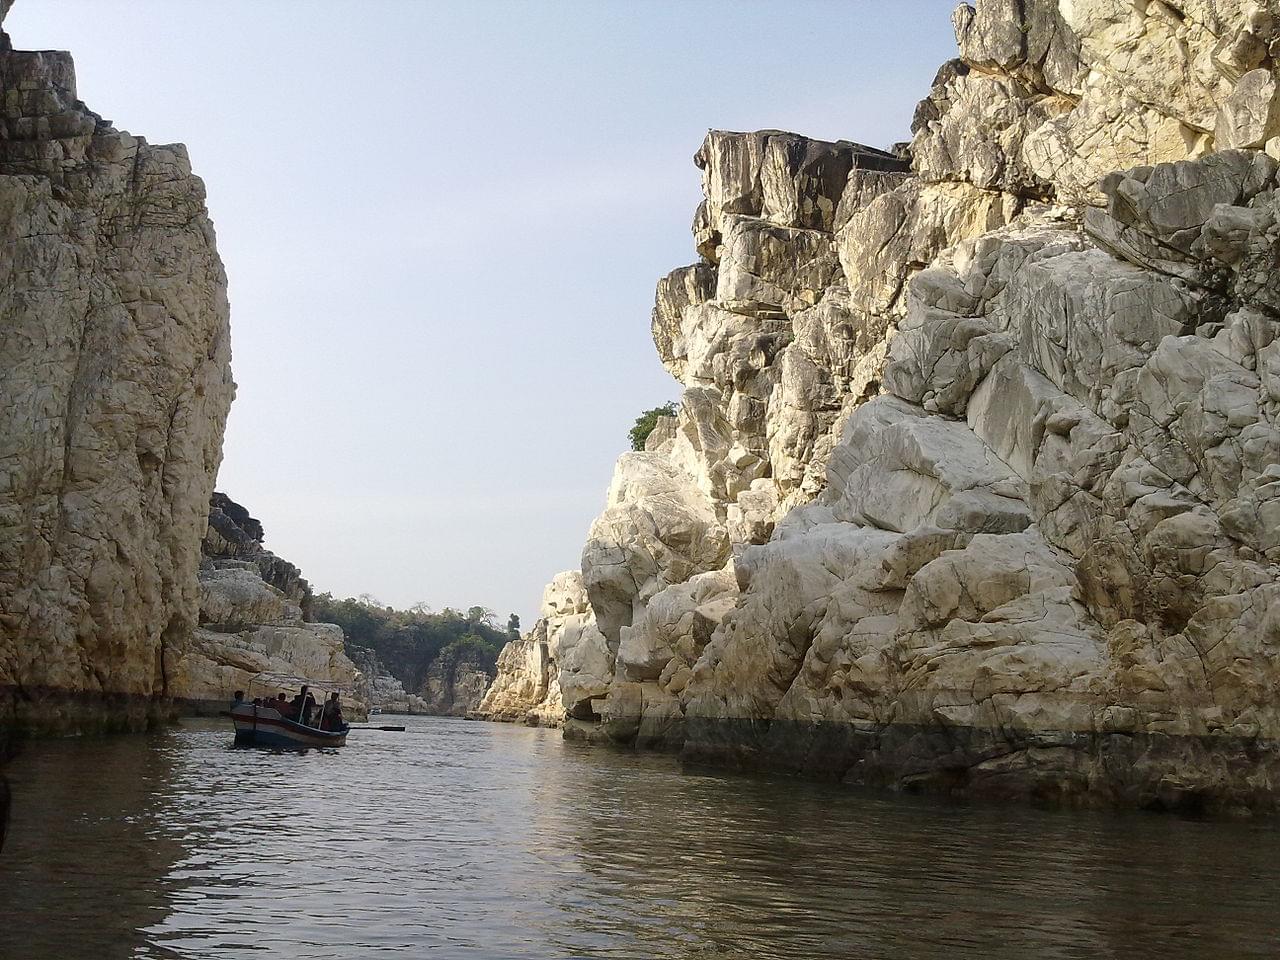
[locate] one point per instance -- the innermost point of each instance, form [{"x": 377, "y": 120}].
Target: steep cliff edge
[
  {"x": 115, "y": 354},
  {"x": 976, "y": 478}
]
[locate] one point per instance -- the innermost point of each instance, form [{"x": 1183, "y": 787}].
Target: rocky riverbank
[{"x": 974, "y": 484}]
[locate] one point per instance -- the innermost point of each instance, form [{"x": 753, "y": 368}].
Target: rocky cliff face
[
  {"x": 565, "y": 641},
  {"x": 455, "y": 688},
  {"x": 379, "y": 688},
  {"x": 976, "y": 479},
  {"x": 449, "y": 689},
  {"x": 255, "y": 632},
  {"x": 114, "y": 389}
]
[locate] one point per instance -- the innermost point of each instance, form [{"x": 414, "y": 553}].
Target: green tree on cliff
[
  {"x": 647, "y": 421},
  {"x": 481, "y": 615}
]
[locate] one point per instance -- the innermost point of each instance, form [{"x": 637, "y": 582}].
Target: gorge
[
  {"x": 938, "y": 616},
  {"x": 973, "y": 487}
]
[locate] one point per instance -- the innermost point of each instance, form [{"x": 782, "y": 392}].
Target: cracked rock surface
[
  {"x": 975, "y": 483},
  {"x": 255, "y": 630},
  {"x": 114, "y": 389}
]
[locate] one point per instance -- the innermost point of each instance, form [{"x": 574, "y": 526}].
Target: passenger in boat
[
  {"x": 237, "y": 699},
  {"x": 331, "y": 715},
  {"x": 301, "y": 706},
  {"x": 281, "y": 703}
]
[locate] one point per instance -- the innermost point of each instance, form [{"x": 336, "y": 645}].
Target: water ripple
[{"x": 473, "y": 840}]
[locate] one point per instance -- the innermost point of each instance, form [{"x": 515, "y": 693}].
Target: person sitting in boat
[
  {"x": 301, "y": 706},
  {"x": 281, "y": 704},
  {"x": 331, "y": 715},
  {"x": 237, "y": 699}
]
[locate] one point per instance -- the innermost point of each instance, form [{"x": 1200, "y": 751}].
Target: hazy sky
[{"x": 442, "y": 223}]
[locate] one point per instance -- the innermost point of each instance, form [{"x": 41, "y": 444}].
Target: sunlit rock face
[
  {"x": 564, "y": 646},
  {"x": 976, "y": 480},
  {"x": 114, "y": 388},
  {"x": 255, "y": 632}
]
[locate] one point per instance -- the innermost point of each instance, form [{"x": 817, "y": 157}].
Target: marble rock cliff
[
  {"x": 975, "y": 483},
  {"x": 255, "y": 630},
  {"x": 450, "y": 687},
  {"x": 114, "y": 388}
]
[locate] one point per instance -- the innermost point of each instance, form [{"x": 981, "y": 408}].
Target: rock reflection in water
[
  {"x": 89, "y": 847},
  {"x": 774, "y": 868},
  {"x": 475, "y": 840}
]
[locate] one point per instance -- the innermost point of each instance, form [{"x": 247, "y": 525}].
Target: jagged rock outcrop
[
  {"x": 114, "y": 389},
  {"x": 455, "y": 688},
  {"x": 563, "y": 664},
  {"x": 255, "y": 632},
  {"x": 233, "y": 534},
  {"x": 377, "y": 687},
  {"x": 452, "y": 687},
  {"x": 973, "y": 484}
]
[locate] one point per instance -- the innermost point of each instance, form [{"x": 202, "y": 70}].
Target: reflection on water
[{"x": 475, "y": 840}]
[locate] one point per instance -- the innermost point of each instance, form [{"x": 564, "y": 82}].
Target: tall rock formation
[
  {"x": 114, "y": 389},
  {"x": 455, "y": 687},
  {"x": 256, "y": 633},
  {"x": 381, "y": 689},
  {"x": 452, "y": 685},
  {"x": 976, "y": 479}
]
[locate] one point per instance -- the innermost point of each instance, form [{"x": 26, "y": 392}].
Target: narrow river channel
[{"x": 477, "y": 840}]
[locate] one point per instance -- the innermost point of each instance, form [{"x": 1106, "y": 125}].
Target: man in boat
[
  {"x": 331, "y": 715},
  {"x": 237, "y": 699},
  {"x": 301, "y": 706}
]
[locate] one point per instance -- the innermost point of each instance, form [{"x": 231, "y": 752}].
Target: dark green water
[{"x": 476, "y": 840}]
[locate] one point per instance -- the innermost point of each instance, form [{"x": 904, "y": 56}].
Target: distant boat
[
  {"x": 373, "y": 710},
  {"x": 265, "y": 727}
]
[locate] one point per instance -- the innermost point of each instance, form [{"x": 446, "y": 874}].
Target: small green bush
[{"x": 647, "y": 421}]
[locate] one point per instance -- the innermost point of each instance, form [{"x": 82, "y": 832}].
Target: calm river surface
[{"x": 477, "y": 840}]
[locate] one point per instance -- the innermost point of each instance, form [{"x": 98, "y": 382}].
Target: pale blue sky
[{"x": 442, "y": 224}]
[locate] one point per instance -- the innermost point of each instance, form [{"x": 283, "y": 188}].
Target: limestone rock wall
[
  {"x": 973, "y": 481},
  {"x": 254, "y": 632},
  {"x": 455, "y": 689},
  {"x": 449, "y": 689},
  {"x": 114, "y": 388},
  {"x": 563, "y": 665},
  {"x": 380, "y": 689}
]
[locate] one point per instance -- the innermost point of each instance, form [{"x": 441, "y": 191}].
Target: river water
[{"x": 478, "y": 840}]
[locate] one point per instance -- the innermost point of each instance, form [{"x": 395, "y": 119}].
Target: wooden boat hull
[{"x": 264, "y": 727}]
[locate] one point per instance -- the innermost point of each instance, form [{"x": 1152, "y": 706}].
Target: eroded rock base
[
  {"x": 48, "y": 711},
  {"x": 1194, "y": 775}
]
